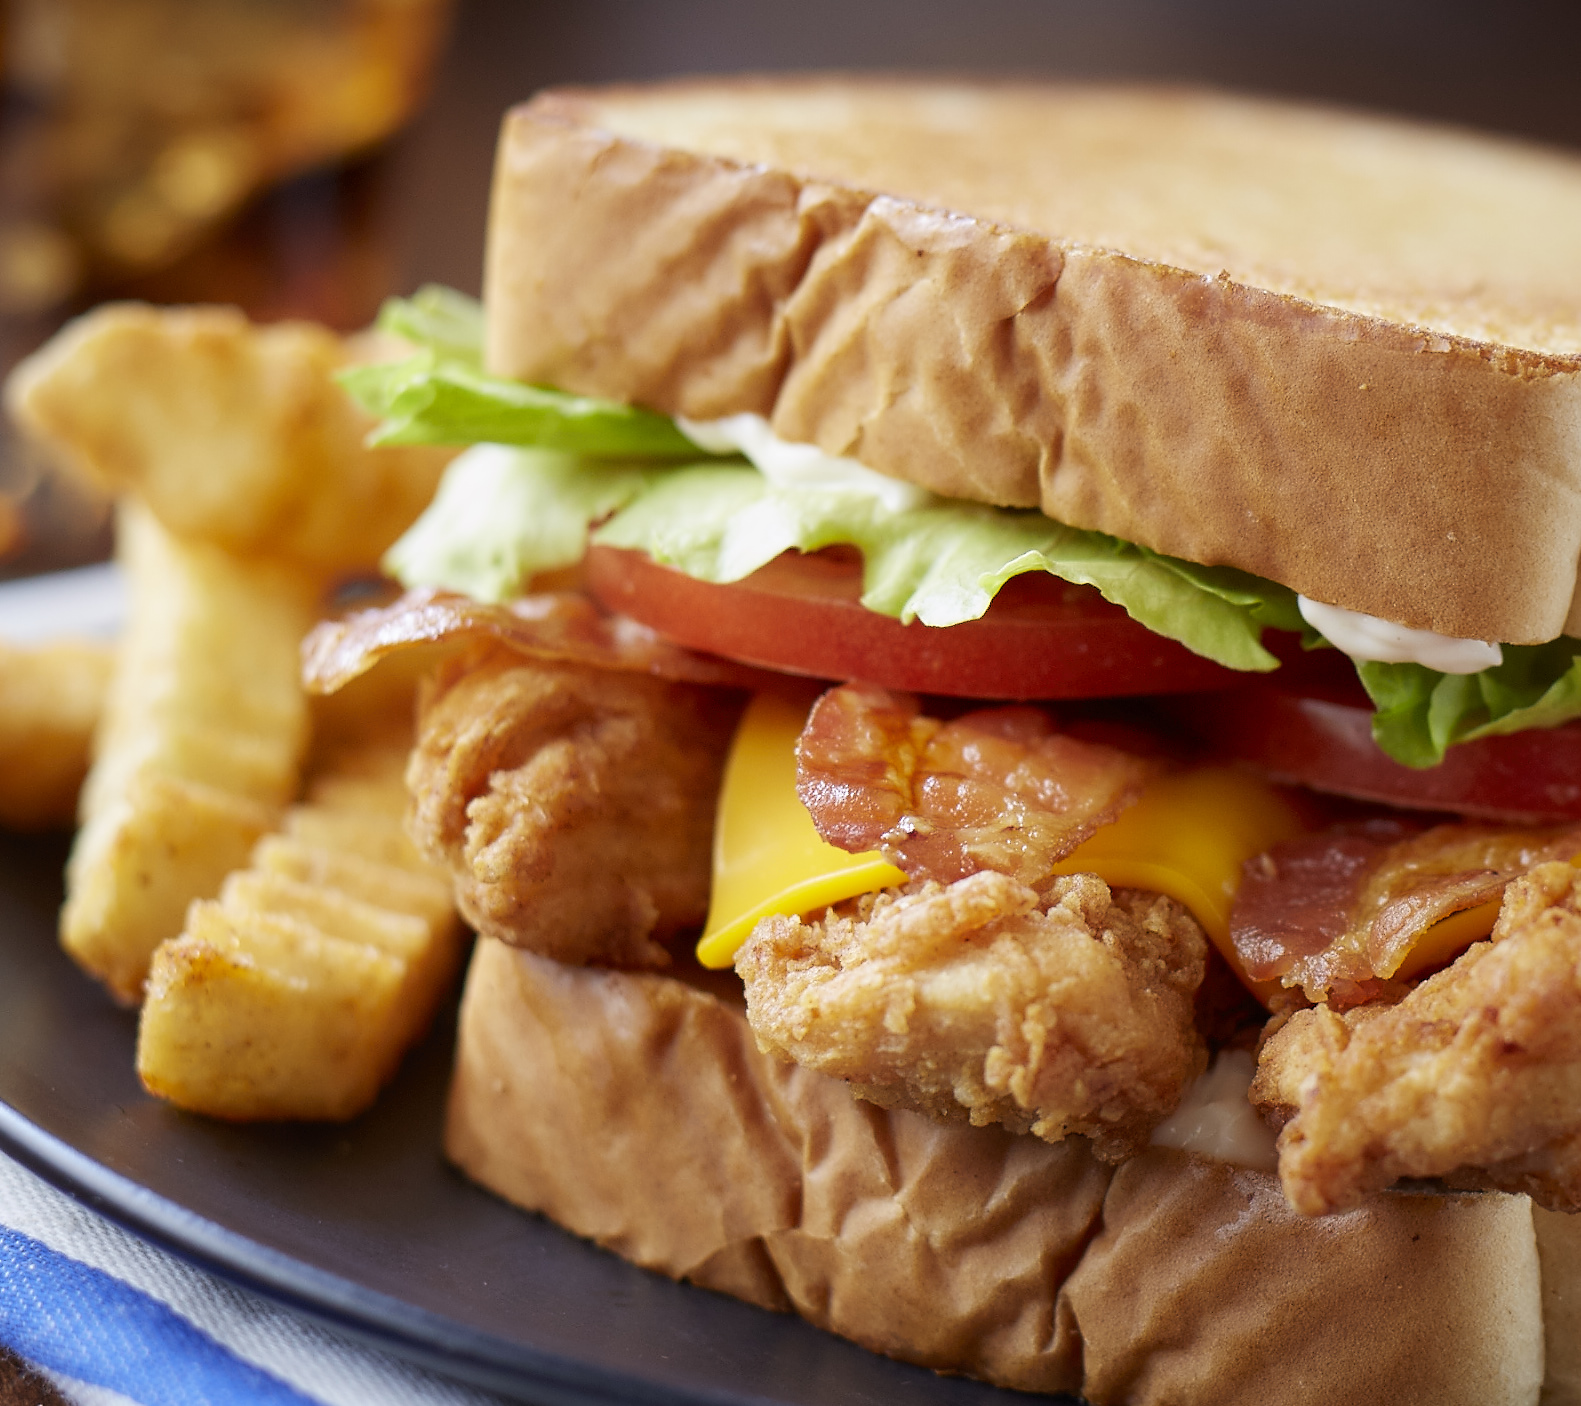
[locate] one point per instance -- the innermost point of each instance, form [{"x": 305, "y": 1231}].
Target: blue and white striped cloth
[{"x": 111, "y": 1320}]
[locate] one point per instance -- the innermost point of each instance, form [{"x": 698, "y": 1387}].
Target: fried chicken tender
[
  {"x": 1474, "y": 1076},
  {"x": 1069, "y": 1012},
  {"x": 574, "y": 807}
]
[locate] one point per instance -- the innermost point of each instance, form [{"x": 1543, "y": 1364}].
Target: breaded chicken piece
[
  {"x": 1069, "y": 1013},
  {"x": 573, "y": 806},
  {"x": 1474, "y": 1076}
]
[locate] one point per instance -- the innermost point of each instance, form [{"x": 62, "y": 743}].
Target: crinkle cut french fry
[
  {"x": 233, "y": 433},
  {"x": 295, "y": 994},
  {"x": 423, "y": 893},
  {"x": 265, "y": 1018},
  {"x": 141, "y": 858},
  {"x": 50, "y": 700},
  {"x": 351, "y": 833},
  {"x": 198, "y": 749}
]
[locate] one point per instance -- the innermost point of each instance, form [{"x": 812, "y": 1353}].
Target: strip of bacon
[
  {"x": 555, "y": 626},
  {"x": 1338, "y": 913},
  {"x": 855, "y": 760},
  {"x": 1000, "y": 789}
]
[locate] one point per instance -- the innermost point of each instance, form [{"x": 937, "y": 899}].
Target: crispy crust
[
  {"x": 572, "y": 806},
  {"x": 1065, "y": 1014},
  {"x": 636, "y": 1110},
  {"x": 1473, "y": 1075},
  {"x": 1394, "y": 441}
]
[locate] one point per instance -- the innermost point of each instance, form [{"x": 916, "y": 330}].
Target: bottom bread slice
[{"x": 636, "y": 1110}]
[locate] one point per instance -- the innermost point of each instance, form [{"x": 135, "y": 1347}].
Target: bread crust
[
  {"x": 636, "y": 1110},
  {"x": 1394, "y": 466},
  {"x": 1201, "y": 1268},
  {"x": 1559, "y": 1251}
]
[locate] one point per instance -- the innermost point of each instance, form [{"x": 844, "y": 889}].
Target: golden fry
[
  {"x": 296, "y": 993},
  {"x": 259, "y": 1017},
  {"x": 50, "y": 700},
  {"x": 198, "y": 749},
  {"x": 232, "y": 433}
]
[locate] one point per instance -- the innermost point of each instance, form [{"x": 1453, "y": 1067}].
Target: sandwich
[{"x": 1068, "y": 591}]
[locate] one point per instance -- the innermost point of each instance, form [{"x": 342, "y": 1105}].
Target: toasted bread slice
[
  {"x": 637, "y": 1110},
  {"x": 1334, "y": 350}
]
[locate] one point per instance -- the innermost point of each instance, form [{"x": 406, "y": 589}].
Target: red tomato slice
[
  {"x": 801, "y": 614},
  {"x": 1321, "y": 736}
]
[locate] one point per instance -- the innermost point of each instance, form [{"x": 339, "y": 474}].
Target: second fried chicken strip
[
  {"x": 573, "y": 806},
  {"x": 1475, "y": 1076},
  {"x": 1066, "y": 1013}
]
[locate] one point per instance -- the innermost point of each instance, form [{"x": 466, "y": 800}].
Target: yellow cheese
[
  {"x": 768, "y": 857},
  {"x": 1187, "y": 837},
  {"x": 1448, "y": 938}
]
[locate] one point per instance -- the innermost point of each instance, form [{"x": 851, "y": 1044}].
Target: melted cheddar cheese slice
[
  {"x": 1187, "y": 837},
  {"x": 768, "y": 857}
]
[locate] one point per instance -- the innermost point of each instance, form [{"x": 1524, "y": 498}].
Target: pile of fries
[{"x": 241, "y": 871}]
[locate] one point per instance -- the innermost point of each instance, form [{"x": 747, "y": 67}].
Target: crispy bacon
[
  {"x": 855, "y": 760},
  {"x": 1000, "y": 789},
  {"x": 556, "y": 626},
  {"x": 1339, "y": 913}
]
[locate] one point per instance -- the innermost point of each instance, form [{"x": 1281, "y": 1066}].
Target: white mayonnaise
[
  {"x": 1215, "y": 1118},
  {"x": 1367, "y": 637},
  {"x": 798, "y": 465}
]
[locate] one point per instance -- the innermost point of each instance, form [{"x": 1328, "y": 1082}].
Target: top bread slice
[{"x": 1338, "y": 351}]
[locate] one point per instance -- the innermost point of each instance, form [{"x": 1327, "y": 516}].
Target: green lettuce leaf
[
  {"x": 502, "y": 515},
  {"x": 442, "y": 395},
  {"x": 443, "y": 321},
  {"x": 429, "y": 400},
  {"x": 1421, "y": 713},
  {"x": 1268, "y": 603}
]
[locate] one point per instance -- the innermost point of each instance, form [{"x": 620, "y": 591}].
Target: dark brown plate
[{"x": 364, "y": 1225}]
